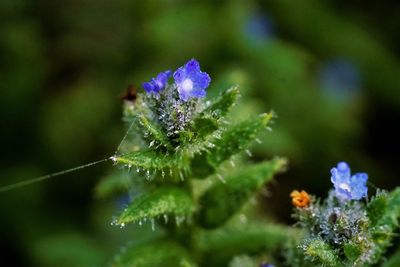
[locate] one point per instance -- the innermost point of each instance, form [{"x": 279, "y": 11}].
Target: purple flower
[
  {"x": 349, "y": 187},
  {"x": 266, "y": 265},
  {"x": 191, "y": 81},
  {"x": 155, "y": 85}
]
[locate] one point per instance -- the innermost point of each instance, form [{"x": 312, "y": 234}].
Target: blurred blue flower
[
  {"x": 266, "y": 265},
  {"x": 191, "y": 81},
  {"x": 349, "y": 187},
  {"x": 259, "y": 27},
  {"x": 155, "y": 85},
  {"x": 340, "y": 78}
]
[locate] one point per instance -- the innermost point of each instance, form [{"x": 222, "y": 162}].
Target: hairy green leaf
[
  {"x": 161, "y": 253},
  {"x": 203, "y": 127},
  {"x": 162, "y": 201},
  {"x": 387, "y": 225},
  {"x": 237, "y": 138},
  {"x": 150, "y": 159},
  {"x": 320, "y": 252},
  {"x": 206, "y": 126},
  {"x": 352, "y": 251},
  {"x": 222, "y": 200},
  {"x": 154, "y": 131},
  {"x": 376, "y": 208},
  {"x": 221, "y": 106},
  {"x": 231, "y": 142},
  {"x": 200, "y": 167}
]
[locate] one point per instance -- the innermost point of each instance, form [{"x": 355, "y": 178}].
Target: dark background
[{"x": 330, "y": 70}]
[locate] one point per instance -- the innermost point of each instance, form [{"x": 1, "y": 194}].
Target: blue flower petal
[
  {"x": 358, "y": 183},
  {"x": 191, "y": 82},
  {"x": 179, "y": 75},
  {"x": 192, "y": 66},
  {"x": 148, "y": 87},
  {"x": 348, "y": 187},
  {"x": 157, "y": 84},
  {"x": 341, "y": 173}
]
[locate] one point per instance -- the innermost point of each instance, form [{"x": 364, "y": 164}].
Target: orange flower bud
[{"x": 300, "y": 199}]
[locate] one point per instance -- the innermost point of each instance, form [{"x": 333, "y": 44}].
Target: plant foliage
[
  {"x": 177, "y": 145},
  {"x": 346, "y": 230}
]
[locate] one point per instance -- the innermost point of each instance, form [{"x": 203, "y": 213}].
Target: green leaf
[
  {"x": 207, "y": 123},
  {"x": 236, "y": 139},
  {"x": 387, "y": 225},
  {"x": 377, "y": 207},
  {"x": 231, "y": 142},
  {"x": 352, "y": 251},
  {"x": 392, "y": 214},
  {"x": 322, "y": 253},
  {"x": 221, "y": 106},
  {"x": 203, "y": 127},
  {"x": 154, "y": 131},
  {"x": 222, "y": 200},
  {"x": 220, "y": 245},
  {"x": 161, "y": 253},
  {"x": 200, "y": 167},
  {"x": 150, "y": 159},
  {"x": 162, "y": 201}
]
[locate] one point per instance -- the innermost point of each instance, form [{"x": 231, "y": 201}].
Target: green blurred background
[{"x": 330, "y": 70}]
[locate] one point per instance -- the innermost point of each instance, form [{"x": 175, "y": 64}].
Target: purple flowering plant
[
  {"x": 175, "y": 102},
  {"x": 178, "y": 142},
  {"x": 347, "y": 228},
  {"x": 185, "y": 149}
]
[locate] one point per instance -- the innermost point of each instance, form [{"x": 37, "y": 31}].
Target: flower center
[
  {"x": 187, "y": 85},
  {"x": 344, "y": 186}
]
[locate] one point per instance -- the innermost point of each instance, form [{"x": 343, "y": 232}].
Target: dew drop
[
  {"x": 151, "y": 143},
  {"x": 248, "y": 152},
  {"x": 221, "y": 178},
  {"x": 211, "y": 145}
]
